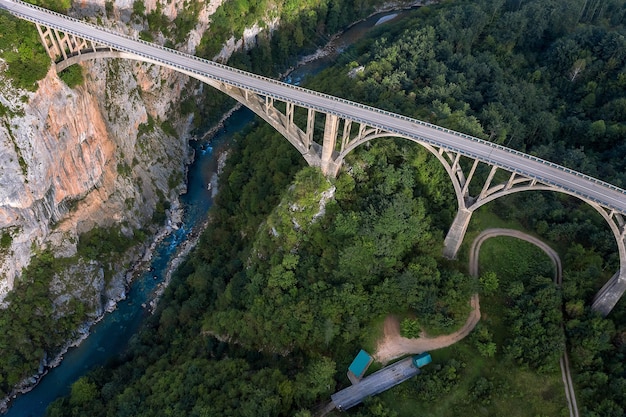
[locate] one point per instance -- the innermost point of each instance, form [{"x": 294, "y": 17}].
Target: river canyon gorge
[
  {"x": 164, "y": 251},
  {"x": 111, "y": 153}
]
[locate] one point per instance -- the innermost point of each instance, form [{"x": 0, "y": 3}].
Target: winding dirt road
[
  {"x": 393, "y": 346},
  {"x": 489, "y": 233}
]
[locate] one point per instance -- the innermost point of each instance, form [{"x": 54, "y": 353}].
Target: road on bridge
[{"x": 548, "y": 173}]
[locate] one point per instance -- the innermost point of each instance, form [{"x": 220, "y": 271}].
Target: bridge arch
[
  {"x": 283, "y": 123},
  {"x": 604, "y": 300},
  {"x": 262, "y": 107},
  {"x": 456, "y": 183},
  {"x": 65, "y": 36}
]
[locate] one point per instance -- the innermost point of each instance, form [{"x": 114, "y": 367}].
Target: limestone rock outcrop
[
  {"x": 102, "y": 154},
  {"x": 97, "y": 155}
]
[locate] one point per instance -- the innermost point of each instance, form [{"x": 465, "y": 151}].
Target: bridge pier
[
  {"x": 610, "y": 293},
  {"x": 329, "y": 166},
  {"x": 454, "y": 238}
]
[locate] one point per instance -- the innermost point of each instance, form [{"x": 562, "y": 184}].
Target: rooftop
[
  {"x": 374, "y": 384},
  {"x": 360, "y": 364}
]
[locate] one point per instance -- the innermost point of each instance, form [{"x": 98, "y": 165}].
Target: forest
[
  {"x": 273, "y": 313},
  {"x": 268, "y": 311},
  {"x": 32, "y": 329}
]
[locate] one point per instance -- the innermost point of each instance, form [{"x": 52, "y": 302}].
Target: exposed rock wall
[
  {"x": 72, "y": 159},
  {"x": 55, "y": 149}
]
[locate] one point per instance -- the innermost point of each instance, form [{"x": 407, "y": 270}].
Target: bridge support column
[
  {"x": 331, "y": 126},
  {"x": 455, "y": 235},
  {"x": 610, "y": 293}
]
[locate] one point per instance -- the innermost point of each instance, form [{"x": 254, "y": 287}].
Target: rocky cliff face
[
  {"x": 55, "y": 150},
  {"x": 97, "y": 155},
  {"x": 102, "y": 154}
]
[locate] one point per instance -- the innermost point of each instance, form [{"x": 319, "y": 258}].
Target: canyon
[
  {"x": 110, "y": 154},
  {"x": 106, "y": 153}
]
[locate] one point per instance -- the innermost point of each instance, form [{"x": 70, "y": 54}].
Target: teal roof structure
[
  {"x": 422, "y": 359},
  {"x": 360, "y": 364}
]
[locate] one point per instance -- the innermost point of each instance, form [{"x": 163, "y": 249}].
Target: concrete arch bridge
[{"x": 347, "y": 125}]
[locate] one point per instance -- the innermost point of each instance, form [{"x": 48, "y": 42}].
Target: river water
[{"x": 110, "y": 336}]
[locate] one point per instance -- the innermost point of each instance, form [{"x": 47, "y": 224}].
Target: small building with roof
[
  {"x": 422, "y": 359},
  {"x": 359, "y": 366}
]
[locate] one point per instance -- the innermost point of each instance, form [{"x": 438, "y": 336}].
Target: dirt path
[
  {"x": 489, "y": 233},
  {"x": 393, "y": 346}
]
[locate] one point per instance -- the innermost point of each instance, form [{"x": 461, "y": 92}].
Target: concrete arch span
[
  {"x": 330, "y": 159},
  {"x": 610, "y": 293},
  {"x": 262, "y": 106}
]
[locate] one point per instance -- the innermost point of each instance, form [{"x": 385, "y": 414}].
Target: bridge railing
[{"x": 268, "y": 93}]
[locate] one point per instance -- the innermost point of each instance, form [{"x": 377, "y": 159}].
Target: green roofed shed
[{"x": 360, "y": 364}]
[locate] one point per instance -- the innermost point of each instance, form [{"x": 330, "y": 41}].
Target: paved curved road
[{"x": 567, "y": 180}]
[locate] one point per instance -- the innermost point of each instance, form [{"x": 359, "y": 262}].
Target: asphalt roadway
[{"x": 566, "y": 180}]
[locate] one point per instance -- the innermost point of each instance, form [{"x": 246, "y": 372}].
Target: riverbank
[
  {"x": 138, "y": 267},
  {"x": 142, "y": 265}
]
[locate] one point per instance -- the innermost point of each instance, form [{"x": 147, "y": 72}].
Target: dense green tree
[{"x": 274, "y": 301}]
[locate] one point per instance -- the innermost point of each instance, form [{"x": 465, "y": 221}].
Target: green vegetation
[
  {"x": 23, "y": 52},
  {"x": 463, "y": 382},
  {"x": 533, "y": 317},
  {"x": 31, "y": 327},
  {"x": 61, "y": 6},
  {"x": 500, "y": 257},
  {"x": 6, "y": 239},
  {"x": 35, "y": 325},
  {"x": 481, "y": 374},
  {"x": 275, "y": 301},
  {"x": 288, "y": 282},
  {"x": 72, "y": 76},
  {"x": 373, "y": 252},
  {"x": 176, "y": 30},
  {"x": 104, "y": 243},
  {"x": 27, "y": 61},
  {"x": 410, "y": 328},
  {"x": 146, "y": 127},
  {"x": 159, "y": 216},
  {"x": 304, "y": 27},
  {"x": 18, "y": 151}
]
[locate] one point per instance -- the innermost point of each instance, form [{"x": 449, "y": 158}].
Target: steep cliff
[
  {"x": 70, "y": 159},
  {"x": 108, "y": 152}
]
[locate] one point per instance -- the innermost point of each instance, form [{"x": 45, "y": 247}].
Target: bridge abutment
[{"x": 455, "y": 235}]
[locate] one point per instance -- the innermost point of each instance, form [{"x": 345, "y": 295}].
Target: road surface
[{"x": 567, "y": 180}]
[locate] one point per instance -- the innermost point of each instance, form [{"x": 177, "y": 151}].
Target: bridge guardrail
[{"x": 310, "y": 92}]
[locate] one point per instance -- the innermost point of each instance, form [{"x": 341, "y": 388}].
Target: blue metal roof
[
  {"x": 360, "y": 364},
  {"x": 422, "y": 359}
]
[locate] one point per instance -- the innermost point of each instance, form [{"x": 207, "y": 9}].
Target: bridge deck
[
  {"x": 376, "y": 383},
  {"x": 564, "y": 179}
]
